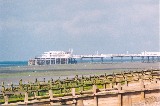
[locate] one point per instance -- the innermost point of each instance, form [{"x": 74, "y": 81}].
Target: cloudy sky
[{"x": 31, "y": 27}]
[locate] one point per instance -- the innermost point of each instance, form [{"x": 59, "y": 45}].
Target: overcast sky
[{"x": 31, "y": 27}]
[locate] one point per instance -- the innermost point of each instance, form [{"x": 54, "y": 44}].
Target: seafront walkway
[{"x": 117, "y": 89}]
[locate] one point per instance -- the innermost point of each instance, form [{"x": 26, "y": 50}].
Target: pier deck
[{"x": 53, "y": 57}]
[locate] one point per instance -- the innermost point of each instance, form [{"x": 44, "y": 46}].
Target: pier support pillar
[
  {"x": 81, "y": 60},
  {"x": 148, "y": 59},
  {"x": 121, "y": 59},
  {"x": 75, "y": 61},
  {"x": 60, "y": 60},
  {"x": 35, "y": 62},
  {"x": 92, "y": 59},
  {"x": 112, "y": 59},
  {"x": 131, "y": 58},
  {"x": 45, "y": 61},
  {"x": 71, "y": 61},
  {"x": 152, "y": 58},
  {"x": 158, "y": 59},
  {"x": 50, "y": 61},
  {"x": 142, "y": 59},
  {"x": 55, "y": 61},
  {"x": 67, "y": 60},
  {"x": 102, "y": 59}
]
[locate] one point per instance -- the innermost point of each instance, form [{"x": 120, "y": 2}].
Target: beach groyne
[{"x": 117, "y": 89}]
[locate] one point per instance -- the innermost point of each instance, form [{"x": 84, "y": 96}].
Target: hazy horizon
[{"x": 29, "y": 27}]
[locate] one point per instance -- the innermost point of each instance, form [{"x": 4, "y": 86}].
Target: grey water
[
  {"x": 14, "y": 76},
  {"x": 13, "y": 63},
  {"x": 105, "y": 60}
]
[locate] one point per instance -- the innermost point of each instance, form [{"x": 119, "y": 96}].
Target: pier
[
  {"x": 61, "y": 57},
  {"x": 144, "y": 56}
]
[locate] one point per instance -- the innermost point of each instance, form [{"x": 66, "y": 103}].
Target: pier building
[
  {"x": 53, "y": 57},
  {"x": 61, "y": 57}
]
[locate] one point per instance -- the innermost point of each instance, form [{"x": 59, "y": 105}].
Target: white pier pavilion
[{"x": 53, "y": 57}]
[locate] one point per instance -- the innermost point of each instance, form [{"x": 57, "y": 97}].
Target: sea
[
  {"x": 25, "y": 63},
  {"x": 13, "y": 63},
  {"x": 13, "y": 76}
]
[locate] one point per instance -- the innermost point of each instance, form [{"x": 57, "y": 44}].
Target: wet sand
[{"x": 30, "y": 73}]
